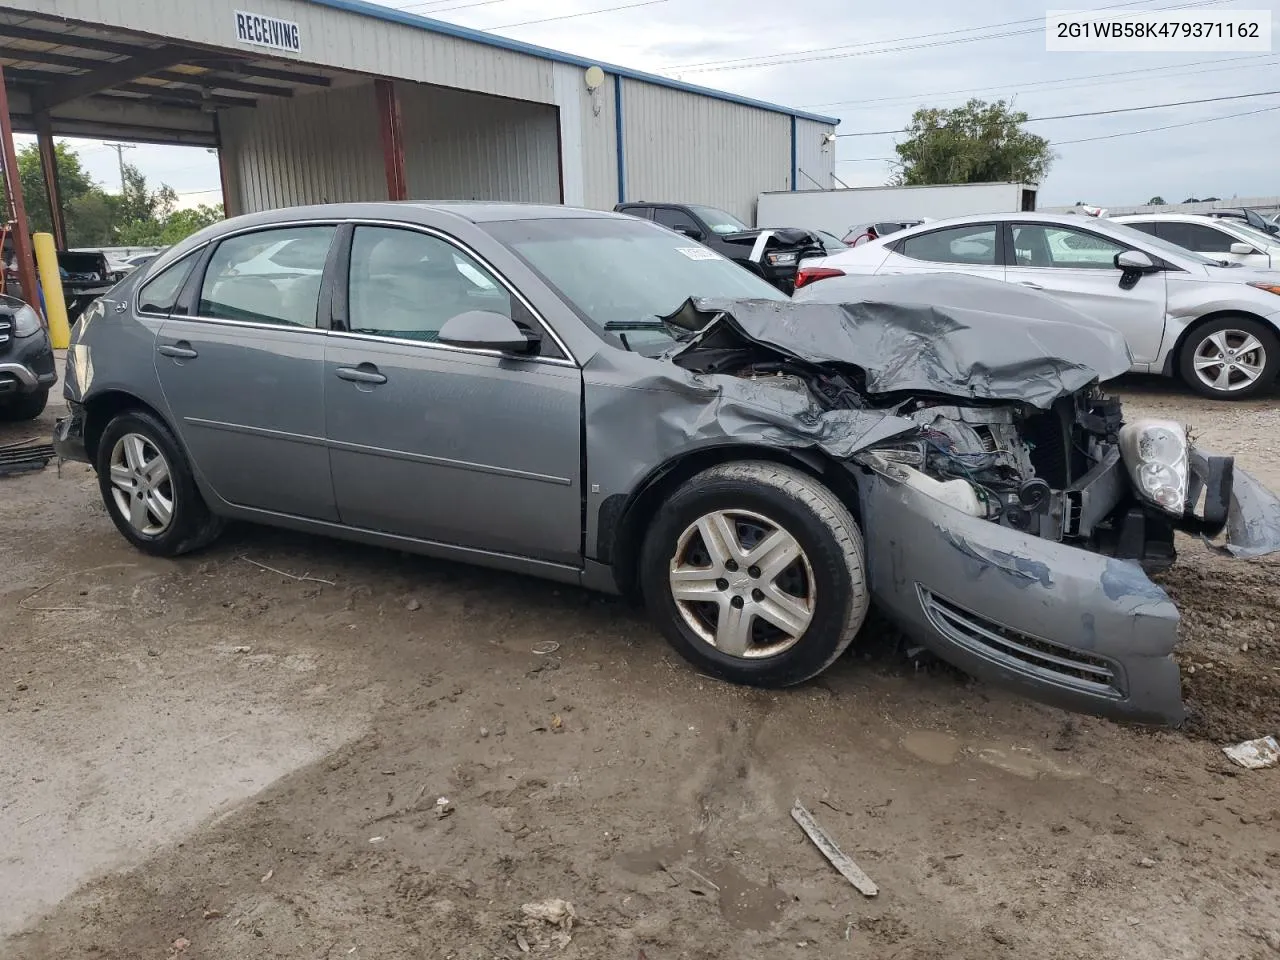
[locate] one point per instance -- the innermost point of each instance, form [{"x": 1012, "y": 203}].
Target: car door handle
[
  {"x": 180, "y": 350},
  {"x": 1028, "y": 283},
  {"x": 365, "y": 373}
]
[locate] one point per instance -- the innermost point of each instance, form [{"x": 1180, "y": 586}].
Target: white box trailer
[{"x": 838, "y": 211}]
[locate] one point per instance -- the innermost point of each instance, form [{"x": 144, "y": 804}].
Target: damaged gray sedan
[{"x": 590, "y": 398}]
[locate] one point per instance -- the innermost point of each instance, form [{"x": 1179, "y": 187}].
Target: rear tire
[
  {"x": 773, "y": 592},
  {"x": 148, "y": 488},
  {"x": 26, "y": 406},
  {"x": 1230, "y": 358}
]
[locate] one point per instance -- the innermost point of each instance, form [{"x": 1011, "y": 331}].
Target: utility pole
[{"x": 120, "y": 148}]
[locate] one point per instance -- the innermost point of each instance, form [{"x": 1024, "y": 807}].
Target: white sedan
[
  {"x": 1182, "y": 314},
  {"x": 1218, "y": 238}
]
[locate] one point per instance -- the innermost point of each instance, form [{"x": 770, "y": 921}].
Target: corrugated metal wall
[
  {"x": 815, "y": 159},
  {"x": 467, "y": 146},
  {"x": 336, "y": 38},
  {"x": 681, "y": 147},
  {"x": 317, "y": 148}
]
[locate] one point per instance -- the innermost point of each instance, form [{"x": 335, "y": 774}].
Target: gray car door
[
  {"x": 243, "y": 372},
  {"x": 460, "y": 446}
]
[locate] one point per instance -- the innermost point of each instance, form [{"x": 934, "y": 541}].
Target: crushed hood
[{"x": 939, "y": 333}]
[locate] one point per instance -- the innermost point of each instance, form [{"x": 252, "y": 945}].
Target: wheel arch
[
  {"x": 101, "y": 408},
  {"x": 1174, "y": 358},
  {"x": 623, "y": 518}
]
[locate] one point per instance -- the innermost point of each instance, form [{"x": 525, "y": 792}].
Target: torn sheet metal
[
  {"x": 1253, "y": 519},
  {"x": 685, "y": 409},
  {"x": 991, "y": 340}
]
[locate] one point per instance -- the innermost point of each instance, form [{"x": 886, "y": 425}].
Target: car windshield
[
  {"x": 621, "y": 275},
  {"x": 1145, "y": 241},
  {"x": 719, "y": 221},
  {"x": 1255, "y": 236}
]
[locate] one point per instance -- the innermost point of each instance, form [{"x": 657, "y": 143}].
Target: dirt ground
[{"x": 208, "y": 759}]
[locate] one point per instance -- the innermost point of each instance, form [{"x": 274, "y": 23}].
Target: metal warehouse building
[{"x": 332, "y": 100}]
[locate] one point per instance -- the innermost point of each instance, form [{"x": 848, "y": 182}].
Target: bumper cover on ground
[{"x": 1059, "y": 624}]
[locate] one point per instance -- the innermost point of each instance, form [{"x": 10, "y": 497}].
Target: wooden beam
[
  {"x": 49, "y": 166},
  {"x": 392, "y": 135},
  {"x": 112, "y": 75},
  {"x": 13, "y": 189}
]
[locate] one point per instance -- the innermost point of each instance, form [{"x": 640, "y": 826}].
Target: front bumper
[
  {"x": 1076, "y": 629},
  {"x": 27, "y": 365}
]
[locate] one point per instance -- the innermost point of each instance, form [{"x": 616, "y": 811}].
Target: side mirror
[
  {"x": 1134, "y": 261},
  {"x": 1242, "y": 249},
  {"x": 485, "y": 330},
  {"x": 693, "y": 233}
]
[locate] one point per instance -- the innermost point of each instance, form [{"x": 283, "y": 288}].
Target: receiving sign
[{"x": 268, "y": 32}]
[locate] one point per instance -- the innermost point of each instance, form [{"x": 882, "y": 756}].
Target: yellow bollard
[{"x": 55, "y": 306}]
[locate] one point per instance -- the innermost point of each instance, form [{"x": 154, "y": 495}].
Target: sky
[{"x": 872, "y": 64}]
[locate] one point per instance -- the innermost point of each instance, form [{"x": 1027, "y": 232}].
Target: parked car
[
  {"x": 1182, "y": 313},
  {"x": 1219, "y": 238},
  {"x": 830, "y": 242},
  {"x": 27, "y": 369},
  {"x": 874, "y": 231},
  {"x": 758, "y": 470},
  {"x": 772, "y": 253},
  {"x": 86, "y": 275}
]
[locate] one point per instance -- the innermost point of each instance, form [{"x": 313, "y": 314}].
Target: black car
[
  {"x": 773, "y": 253},
  {"x": 26, "y": 361}
]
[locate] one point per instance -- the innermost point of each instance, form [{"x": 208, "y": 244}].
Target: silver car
[
  {"x": 1182, "y": 313},
  {"x": 593, "y": 399}
]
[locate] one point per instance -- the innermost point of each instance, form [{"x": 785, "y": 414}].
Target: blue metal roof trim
[{"x": 392, "y": 15}]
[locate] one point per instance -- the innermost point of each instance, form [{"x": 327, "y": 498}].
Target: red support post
[
  {"x": 13, "y": 189},
  {"x": 392, "y": 139}
]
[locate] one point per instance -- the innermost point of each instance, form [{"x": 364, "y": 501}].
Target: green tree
[
  {"x": 1156, "y": 201},
  {"x": 88, "y": 211},
  {"x": 137, "y": 217},
  {"x": 979, "y": 142}
]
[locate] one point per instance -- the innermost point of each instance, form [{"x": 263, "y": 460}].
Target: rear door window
[
  {"x": 973, "y": 244},
  {"x": 271, "y": 276}
]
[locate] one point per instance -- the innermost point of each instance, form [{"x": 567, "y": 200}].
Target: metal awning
[{"x": 116, "y": 84}]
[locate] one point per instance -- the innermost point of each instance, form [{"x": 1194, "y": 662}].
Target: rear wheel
[
  {"x": 25, "y": 406},
  {"x": 754, "y": 573},
  {"x": 1230, "y": 358},
  {"x": 148, "y": 487}
]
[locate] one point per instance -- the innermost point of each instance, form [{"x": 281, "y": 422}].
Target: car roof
[
  {"x": 1193, "y": 217},
  {"x": 471, "y": 210},
  {"x": 1022, "y": 216}
]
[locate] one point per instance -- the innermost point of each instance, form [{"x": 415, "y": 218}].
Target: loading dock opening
[{"x": 349, "y": 100}]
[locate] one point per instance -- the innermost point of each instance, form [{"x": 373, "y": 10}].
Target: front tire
[
  {"x": 148, "y": 488},
  {"x": 26, "y": 406},
  {"x": 754, "y": 572},
  {"x": 1230, "y": 358}
]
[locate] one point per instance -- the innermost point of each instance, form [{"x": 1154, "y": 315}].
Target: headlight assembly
[
  {"x": 1155, "y": 453},
  {"x": 26, "y": 322}
]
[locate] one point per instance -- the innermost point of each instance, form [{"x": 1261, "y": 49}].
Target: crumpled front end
[{"x": 1078, "y": 629}]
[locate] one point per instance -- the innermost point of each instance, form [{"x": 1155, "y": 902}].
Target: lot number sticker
[{"x": 699, "y": 253}]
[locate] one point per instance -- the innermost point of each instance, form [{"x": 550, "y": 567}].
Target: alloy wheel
[
  {"x": 1229, "y": 360},
  {"x": 743, "y": 584},
  {"x": 141, "y": 484}
]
